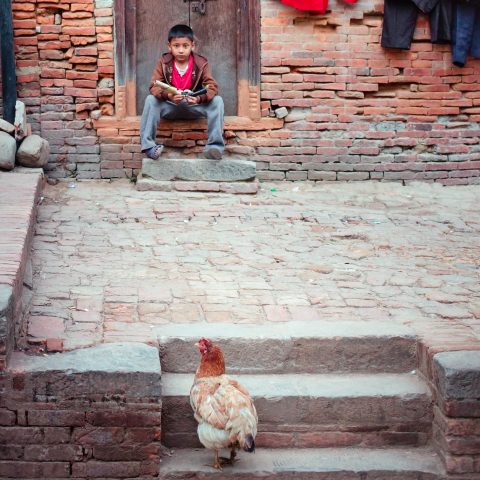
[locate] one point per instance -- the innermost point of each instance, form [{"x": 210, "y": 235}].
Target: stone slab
[
  {"x": 240, "y": 188},
  {"x": 457, "y": 374},
  {"x": 306, "y": 464},
  {"x": 307, "y": 347},
  {"x": 8, "y": 147},
  {"x": 33, "y": 152},
  {"x": 226, "y": 170},
  {"x": 301, "y": 402},
  {"x": 131, "y": 369}
]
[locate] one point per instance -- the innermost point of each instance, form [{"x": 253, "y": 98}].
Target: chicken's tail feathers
[{"x": 249, "y": 445}]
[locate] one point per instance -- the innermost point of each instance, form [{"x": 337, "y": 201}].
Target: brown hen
[{"x": 222, "y": 407}]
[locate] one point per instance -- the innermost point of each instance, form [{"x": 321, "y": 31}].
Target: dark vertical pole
[{"x": 9, "y": 87}]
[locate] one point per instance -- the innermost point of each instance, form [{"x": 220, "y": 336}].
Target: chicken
[{"x": 222, "y": 407}]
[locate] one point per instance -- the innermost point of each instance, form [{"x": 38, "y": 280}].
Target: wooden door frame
[{"x": 248, "y": 58}]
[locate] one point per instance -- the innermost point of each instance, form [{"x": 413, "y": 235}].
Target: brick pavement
[
  {"x": 19, "y": 194},
  {"x": 114, "y": 264}
]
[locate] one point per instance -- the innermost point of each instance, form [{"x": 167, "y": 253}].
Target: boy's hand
[
  {"x": 176, "y": 98},
  {"x": 192, "y": 100}
]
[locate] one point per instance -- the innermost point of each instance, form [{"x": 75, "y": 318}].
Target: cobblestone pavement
[{"x": 114, "y": 264}]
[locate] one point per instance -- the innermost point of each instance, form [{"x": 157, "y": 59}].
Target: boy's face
[{"x": 181, "y": 48}]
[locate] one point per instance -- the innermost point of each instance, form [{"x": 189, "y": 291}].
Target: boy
[{"x": 189, "y": 71}]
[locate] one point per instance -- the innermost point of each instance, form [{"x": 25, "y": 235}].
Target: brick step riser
[
  {"x": 299, "y": 355},
  {"x": 317, "y": 422},
  {"x": 314, "y": 439}
]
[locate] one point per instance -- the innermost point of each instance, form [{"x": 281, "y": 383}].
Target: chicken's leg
[
  {"x": 216, "y": 463},
  {"x": 231, "y": 460}
]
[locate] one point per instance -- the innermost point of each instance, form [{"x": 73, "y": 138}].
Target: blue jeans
[
  {"x": 154, "y": 110},
  {"x": 466, "y": 33}
]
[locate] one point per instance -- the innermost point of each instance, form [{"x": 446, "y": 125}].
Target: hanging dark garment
[
  {"x": 400, "y": 18},
  {"x": 466, "y": 31}
]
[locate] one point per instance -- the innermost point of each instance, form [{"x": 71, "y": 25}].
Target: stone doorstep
[
  {"x": 312, "y": 463},
  {"x": 198, "y": 170},
  {"x": 131, "y": 369},
  {"x": 240, "y": 188},
  {"x": 293, "y": 402},
  {"x": 303, "y": 347}
]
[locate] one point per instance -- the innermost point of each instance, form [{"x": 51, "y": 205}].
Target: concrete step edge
[
  {"x": 288, "y": 462},
  {"x": 312, "y": 385},
  {"x": 239, "y": 187},
  {"x": 308, "y": 347}
]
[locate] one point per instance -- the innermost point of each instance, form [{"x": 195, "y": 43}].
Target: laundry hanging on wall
[
  {"x": 466, "y": 31},
  {"x": 451, "y": 21},
  {"x": 400, "y": 18},
  {"x": 314, "y": 5}
]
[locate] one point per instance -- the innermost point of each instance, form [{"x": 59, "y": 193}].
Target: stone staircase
[
  {"x": 190, "y": 174},
  {"x": 336, "y": 400}
]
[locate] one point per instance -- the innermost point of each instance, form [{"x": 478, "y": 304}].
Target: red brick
[
  {"x": 77, "y": 31},
  {"x": 57, "y": 418},
  {"x": 7, "y": 417},
  {"x": 20, "y": 435},
  {"x": 53, "y": 453},
  {"x": 34, "y": 469}
]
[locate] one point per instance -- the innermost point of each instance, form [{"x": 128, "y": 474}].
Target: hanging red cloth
[{"x": 317, "y": 5}]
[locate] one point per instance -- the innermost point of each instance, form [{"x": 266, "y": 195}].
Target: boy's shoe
[
  {"x": 154, "y": 152},
  {"x": 213, "y": 154}
]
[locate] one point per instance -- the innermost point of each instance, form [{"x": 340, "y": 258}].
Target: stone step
[
  {"x": 315, "y": 410},
  {"x": 309, "y": 464},
  {"x": 196, "y": 169},
  {"x": 303, "y": 347},
  {"x": 145, "y": 184}
]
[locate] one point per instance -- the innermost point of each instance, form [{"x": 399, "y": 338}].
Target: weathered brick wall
[
  {"x": 357, "y": 111},
  {"x": 63, "y": 51},
  {"x": 81, "y": 419},
  {"x": 456, "y": 426}
]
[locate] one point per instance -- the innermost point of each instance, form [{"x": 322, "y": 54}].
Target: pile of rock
[{"x": 17, "y": 145}]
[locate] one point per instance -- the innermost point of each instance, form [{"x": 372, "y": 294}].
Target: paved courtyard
[{"x": 113, "y": 264}]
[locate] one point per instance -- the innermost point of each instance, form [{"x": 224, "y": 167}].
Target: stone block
[
  {"x": 6, "y": 127},
  {"x": 8, "y": 147},
  {"x": 457, "y": 374},
  {"x": 130, "y": 369},
  {"x": 199, "y": 170},
  {"x": 33, "y": 152},
  {"x": 20, "y": 121},
  {"x": 281, "y": 112}
]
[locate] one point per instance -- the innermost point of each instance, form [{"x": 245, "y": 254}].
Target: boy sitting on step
[{"x": 190, "y": 74}]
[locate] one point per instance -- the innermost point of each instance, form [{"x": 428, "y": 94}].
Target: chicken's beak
[{"x": 197, "y": 345}]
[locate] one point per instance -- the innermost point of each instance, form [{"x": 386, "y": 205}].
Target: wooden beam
[
  {"x": 9, "y": 86},
  {"x": 248, "y": 58}
]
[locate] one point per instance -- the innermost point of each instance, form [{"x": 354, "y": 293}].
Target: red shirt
[{"x": 183, "y": 82}]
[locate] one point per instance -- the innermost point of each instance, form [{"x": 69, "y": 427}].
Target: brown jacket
[{"x": 201, "y": 75}]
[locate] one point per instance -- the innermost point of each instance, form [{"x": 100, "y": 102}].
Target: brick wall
[
  {"x": 356, "y": 111},
  {"x": 456, "y": 427},
  {"x": 63, "y": 51},
  {"x": 67, "y": 416}
]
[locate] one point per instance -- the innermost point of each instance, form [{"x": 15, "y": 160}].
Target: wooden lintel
[{"x": 231, "y": 123}]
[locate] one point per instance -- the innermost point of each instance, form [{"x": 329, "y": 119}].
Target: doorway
[
  {"x": 228, "y": 34},
  {"x": 214, "y": 23}
]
